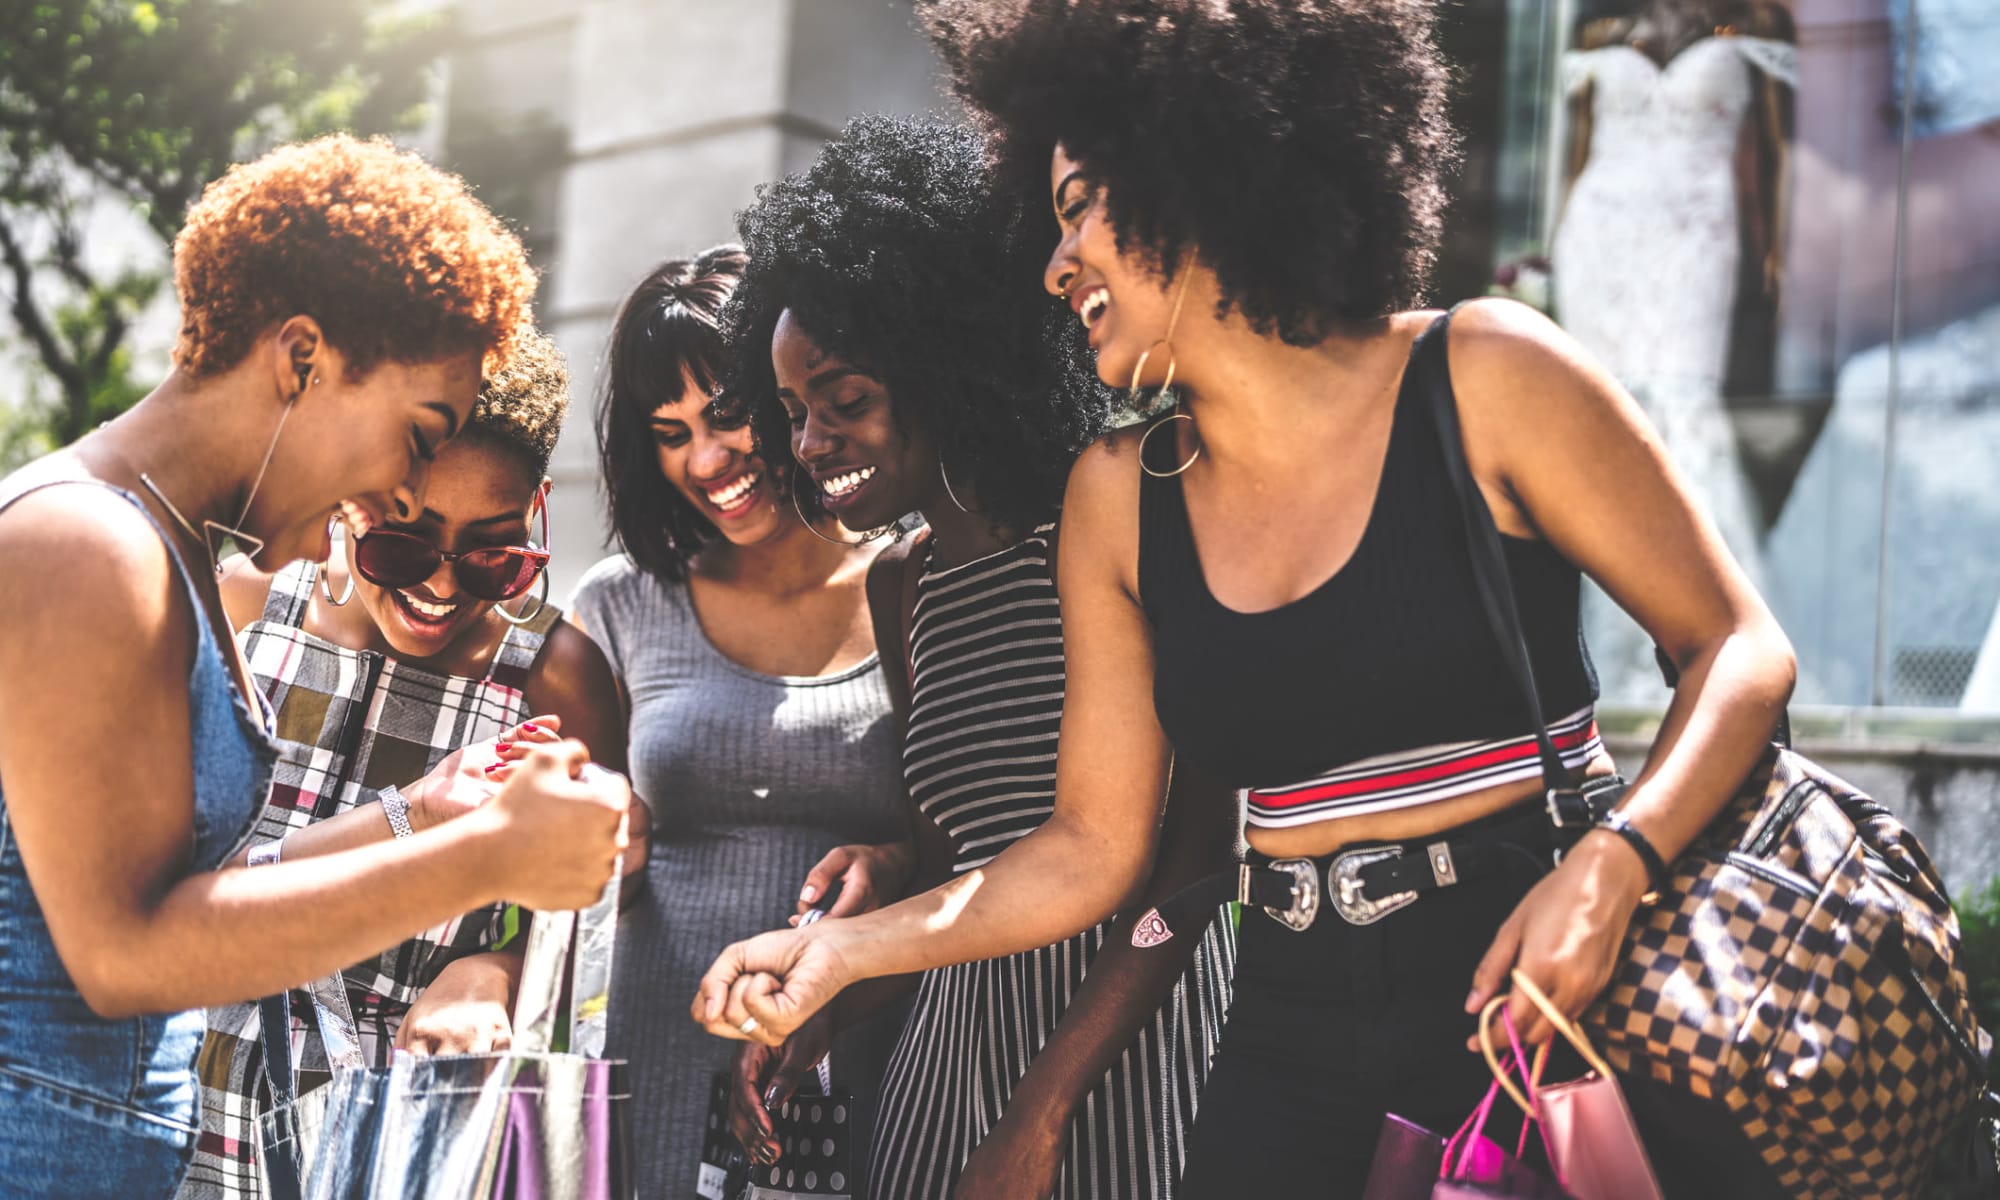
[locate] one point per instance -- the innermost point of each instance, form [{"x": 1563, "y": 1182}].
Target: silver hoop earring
[
  {"x": 541, "y": 602},
  {"x": 946, "y": 476},
  {"x": 1162, "y": 424},
  {"x": 326, "y": 583},
  {"x": 872, "y": 535}
]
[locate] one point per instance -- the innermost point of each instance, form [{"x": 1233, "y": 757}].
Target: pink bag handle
[
  {"x": 1460, "y": 1143},
  {"x": 1533, "y": 1080},
  {"x": 1505, "y": 1069}
]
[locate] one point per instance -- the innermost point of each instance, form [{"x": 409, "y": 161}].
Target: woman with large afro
[
  {"x": 1272, "y": 583},
  {"x": 890, "y": 337},
  {"x": 339, "y": 300}
]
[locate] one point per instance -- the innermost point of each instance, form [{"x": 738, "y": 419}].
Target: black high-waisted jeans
[{"x": 1339, "y": 1024}]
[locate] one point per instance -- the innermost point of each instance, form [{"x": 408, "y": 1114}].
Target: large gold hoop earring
[
  {"x": 320, "y": 571},
  {"x": 1162, "y": 424},
  {"x": 1139, "y": 403},
  {"x": 541, "y": 602},
  {"x": 873, "y": 535}
]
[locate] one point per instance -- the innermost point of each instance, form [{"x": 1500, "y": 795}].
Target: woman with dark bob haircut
[
  {"x": 1272, "y": 583},
  {"x": 889, "y": 330},
  {"x": 758, "y": 719},
  {"x": 338, "y": 301}
]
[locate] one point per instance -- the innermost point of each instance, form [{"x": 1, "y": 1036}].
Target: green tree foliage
[
  {"x": 147, "y": 102},
  {"x": 1979, "y": 949}
]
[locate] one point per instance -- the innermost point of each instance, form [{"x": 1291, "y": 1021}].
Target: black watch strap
[{"x": 1617, "y": 822}]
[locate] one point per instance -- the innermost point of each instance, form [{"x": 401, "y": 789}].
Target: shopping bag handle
[
  {"x": 333, "y": 1020},
  {"x": 548, "y": 961},
  {"x": 1563, "y": 1025},
  {"x": 1459, "y": 1146},
  {"x": 1503, "y": 1072}
]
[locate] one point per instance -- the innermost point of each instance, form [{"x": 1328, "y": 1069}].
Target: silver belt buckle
[
  {"x": 1305, "y": 893},
  {"x": 1343, "y": 880}
]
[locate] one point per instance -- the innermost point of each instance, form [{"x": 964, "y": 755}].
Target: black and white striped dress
[{"x": 980, "y": 759}]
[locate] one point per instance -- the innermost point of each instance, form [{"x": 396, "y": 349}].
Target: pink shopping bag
[
  {"x": 1413, "y": 1163},
  {"x": 1586, "y": 1125}
]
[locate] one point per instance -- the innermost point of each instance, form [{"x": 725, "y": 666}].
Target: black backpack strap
[
  {"x": 1489, "y": 569},
  {"x": 1489, "y": 561}
]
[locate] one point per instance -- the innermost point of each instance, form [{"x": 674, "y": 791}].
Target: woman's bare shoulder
[
  {"x": 1100, "y": 517},
  {"x": 86, "y": 571},
  {"x": 72, "y": 534},
  {"x": 1107, "y": 472}
]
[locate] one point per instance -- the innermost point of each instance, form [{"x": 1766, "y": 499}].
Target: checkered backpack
[{"x": 1800, "y": 968}]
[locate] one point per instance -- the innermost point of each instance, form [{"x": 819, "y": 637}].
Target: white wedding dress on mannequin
[{"x": 1645, "y": 264}]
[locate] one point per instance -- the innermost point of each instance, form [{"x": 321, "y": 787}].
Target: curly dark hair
[
  {"x": 894, "y": 251},
  {"x": 1298, "y": 146},
  {"x": 666, "y": 333},
  {"x": 520, "y": 407},
  {"x": 392, "y": 256}
]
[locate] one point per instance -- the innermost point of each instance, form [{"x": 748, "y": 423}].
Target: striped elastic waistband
[{"x": 1425, "y": 775}]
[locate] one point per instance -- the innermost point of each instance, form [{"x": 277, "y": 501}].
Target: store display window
[{"x": 1777, "y": 222}]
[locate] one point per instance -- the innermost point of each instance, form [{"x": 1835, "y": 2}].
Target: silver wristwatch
[{"x": 397, "y": 809}]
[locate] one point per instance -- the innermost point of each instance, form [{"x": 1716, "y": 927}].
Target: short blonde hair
[
  {"x": 392, "y": 256},
  {"x": 522, "y": 404}
]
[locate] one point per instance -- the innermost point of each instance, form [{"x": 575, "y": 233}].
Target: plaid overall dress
[{"x": 349, "y": 722}]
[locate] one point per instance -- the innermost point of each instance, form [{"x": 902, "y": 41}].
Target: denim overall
[{"x": 96, "y": 1107}]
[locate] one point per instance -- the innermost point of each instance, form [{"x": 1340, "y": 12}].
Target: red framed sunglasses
[{"x": 392, "y": 559}]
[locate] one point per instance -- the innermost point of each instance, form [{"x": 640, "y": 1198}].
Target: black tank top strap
[{"x": 1166, "y": 544}]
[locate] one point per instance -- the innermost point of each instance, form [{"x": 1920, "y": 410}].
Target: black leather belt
[{"x": 1369, "y": 882}]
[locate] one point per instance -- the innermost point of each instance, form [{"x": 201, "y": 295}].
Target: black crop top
[{"x": 1392, "y": 653}]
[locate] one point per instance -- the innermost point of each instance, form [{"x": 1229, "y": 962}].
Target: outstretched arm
[{"x": 1069, "y": 874}]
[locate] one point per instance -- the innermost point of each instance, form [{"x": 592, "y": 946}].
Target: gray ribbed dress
[{"x": 751, "y": 779}]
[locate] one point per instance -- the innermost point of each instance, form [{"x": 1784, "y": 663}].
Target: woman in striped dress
[{"x": 881, "y": 310}]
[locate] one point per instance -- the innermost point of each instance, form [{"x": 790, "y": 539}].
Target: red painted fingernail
[
  {"x": 492, "y": 767},
  {"x": 531, "y": 727},
  {"x": 503, "y": 747}
]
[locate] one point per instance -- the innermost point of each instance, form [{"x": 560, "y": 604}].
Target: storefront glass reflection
[{"x": 1776, "y": 223}]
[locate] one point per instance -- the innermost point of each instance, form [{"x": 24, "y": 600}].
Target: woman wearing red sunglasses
[{"x": 434, "y": 634}]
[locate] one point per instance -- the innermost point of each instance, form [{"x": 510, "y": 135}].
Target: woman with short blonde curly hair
[{"x": 340, "y": 302}]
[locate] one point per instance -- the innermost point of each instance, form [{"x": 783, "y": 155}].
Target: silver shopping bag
[
  {"x": 526, "y": 1124},
  {"x": 289, "y": 1132}
]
